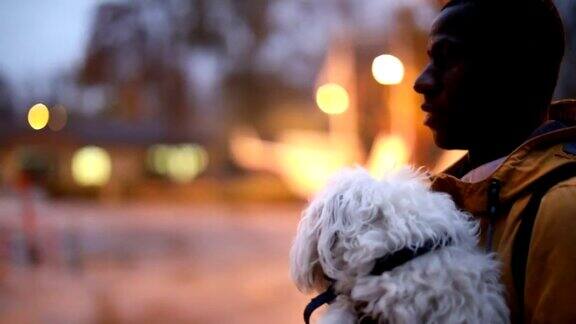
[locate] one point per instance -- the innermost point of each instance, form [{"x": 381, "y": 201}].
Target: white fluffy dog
[{"x": 393, "y": 251}]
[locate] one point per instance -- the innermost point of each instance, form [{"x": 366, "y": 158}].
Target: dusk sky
[{"x": 39, "y": 37}]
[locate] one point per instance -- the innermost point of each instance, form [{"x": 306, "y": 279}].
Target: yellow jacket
[{"x": 550, "y": 282}]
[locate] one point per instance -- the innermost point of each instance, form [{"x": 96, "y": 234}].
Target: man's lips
[
  {"x": 427, "y": 107},
  {"x": 432, "y": 119}
]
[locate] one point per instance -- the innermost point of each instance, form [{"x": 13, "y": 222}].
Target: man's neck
[
  {"x": 479, "y": 157},
  {"x": 498, "y": 146}
]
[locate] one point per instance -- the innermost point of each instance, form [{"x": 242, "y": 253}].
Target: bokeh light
[
  {"x": 181, "y": 164},
  {"x": 58, "y": 118},
  {"x": 186, "y": 162},
  {"x": 332, "y": 99},
  {"x": 38, "y": 116},
  {"x": 388, "y": 70},
  {"x": 91, "y": 166},
  {"x": 158, "y": 158}
]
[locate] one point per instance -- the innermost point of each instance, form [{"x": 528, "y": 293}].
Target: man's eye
[
  {"x": 439, "y": 61},
  {"x": 445, "y": 54},
  {"x": 445, "y": 59}
]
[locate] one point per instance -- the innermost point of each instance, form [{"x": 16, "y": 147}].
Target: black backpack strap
[
  {"x": 324, "y": 298},
  {"x": 527, "y": 218}
]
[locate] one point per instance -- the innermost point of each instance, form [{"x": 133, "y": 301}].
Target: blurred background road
[{"x": 151, "y": 263}]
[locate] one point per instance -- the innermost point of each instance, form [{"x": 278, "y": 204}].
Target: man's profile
[{"x": 488, "y": 89}]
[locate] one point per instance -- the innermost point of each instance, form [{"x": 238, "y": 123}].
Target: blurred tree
[
  {"x": 129, "y": 54},
  {"x": 6, "y": 104},
  {"x": 201, "y": 66}
]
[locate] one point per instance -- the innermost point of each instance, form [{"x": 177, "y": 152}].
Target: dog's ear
[
  {"x": 318, "y": 230},
  {"x": 305, "y": 267}
]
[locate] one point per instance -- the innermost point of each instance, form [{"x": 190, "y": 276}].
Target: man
[{"x": 487, "y": 89}]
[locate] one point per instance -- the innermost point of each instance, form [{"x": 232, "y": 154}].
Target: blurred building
[
  {"x": 225, "y": 93},
  {"x": 160, "y": 73}
]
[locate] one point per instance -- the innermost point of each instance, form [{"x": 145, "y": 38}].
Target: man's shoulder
[
  {"x": 560, "y": 193},
  {"x": 558, "y": 206}
]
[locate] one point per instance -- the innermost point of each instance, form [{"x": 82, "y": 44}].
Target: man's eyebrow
[{"x": 437, "y": 42}]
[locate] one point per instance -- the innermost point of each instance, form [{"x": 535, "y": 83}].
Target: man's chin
[{"x": 448, "y": 142}]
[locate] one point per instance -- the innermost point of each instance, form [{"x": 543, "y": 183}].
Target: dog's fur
[{"x": 358, "y": 219}]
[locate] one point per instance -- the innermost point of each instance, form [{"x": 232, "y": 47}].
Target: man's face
[{"x": 453, "y": 84}]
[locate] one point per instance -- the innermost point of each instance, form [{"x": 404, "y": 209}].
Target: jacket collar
[{"x": 544, "y": 152}]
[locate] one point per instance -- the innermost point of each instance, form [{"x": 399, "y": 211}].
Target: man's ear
[{"x": 563, "y": 111}]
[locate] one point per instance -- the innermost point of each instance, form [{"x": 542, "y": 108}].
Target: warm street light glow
[
  {"x": 38, "y": 116},
  {"x": 91, "y": 166},
  {"x": 447, "y": 159},
  {"x": 388, "y": 153},
  {"x": 307, "y": 169},
  {"x": 388, "y": 70},
  {"x": 304, "y": 160},
  {"x": 332, "y": 99}
]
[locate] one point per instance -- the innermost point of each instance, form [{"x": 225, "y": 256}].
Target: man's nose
[{"x": 425, "y": 83}]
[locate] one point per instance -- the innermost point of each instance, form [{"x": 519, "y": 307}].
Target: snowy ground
[{"x": 150, "y": 263}]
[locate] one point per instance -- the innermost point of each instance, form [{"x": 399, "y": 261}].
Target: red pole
[{"x": 29, "y": 220}]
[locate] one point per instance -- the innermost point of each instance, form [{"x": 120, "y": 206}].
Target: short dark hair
[{"x": 530, "y": 32}]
